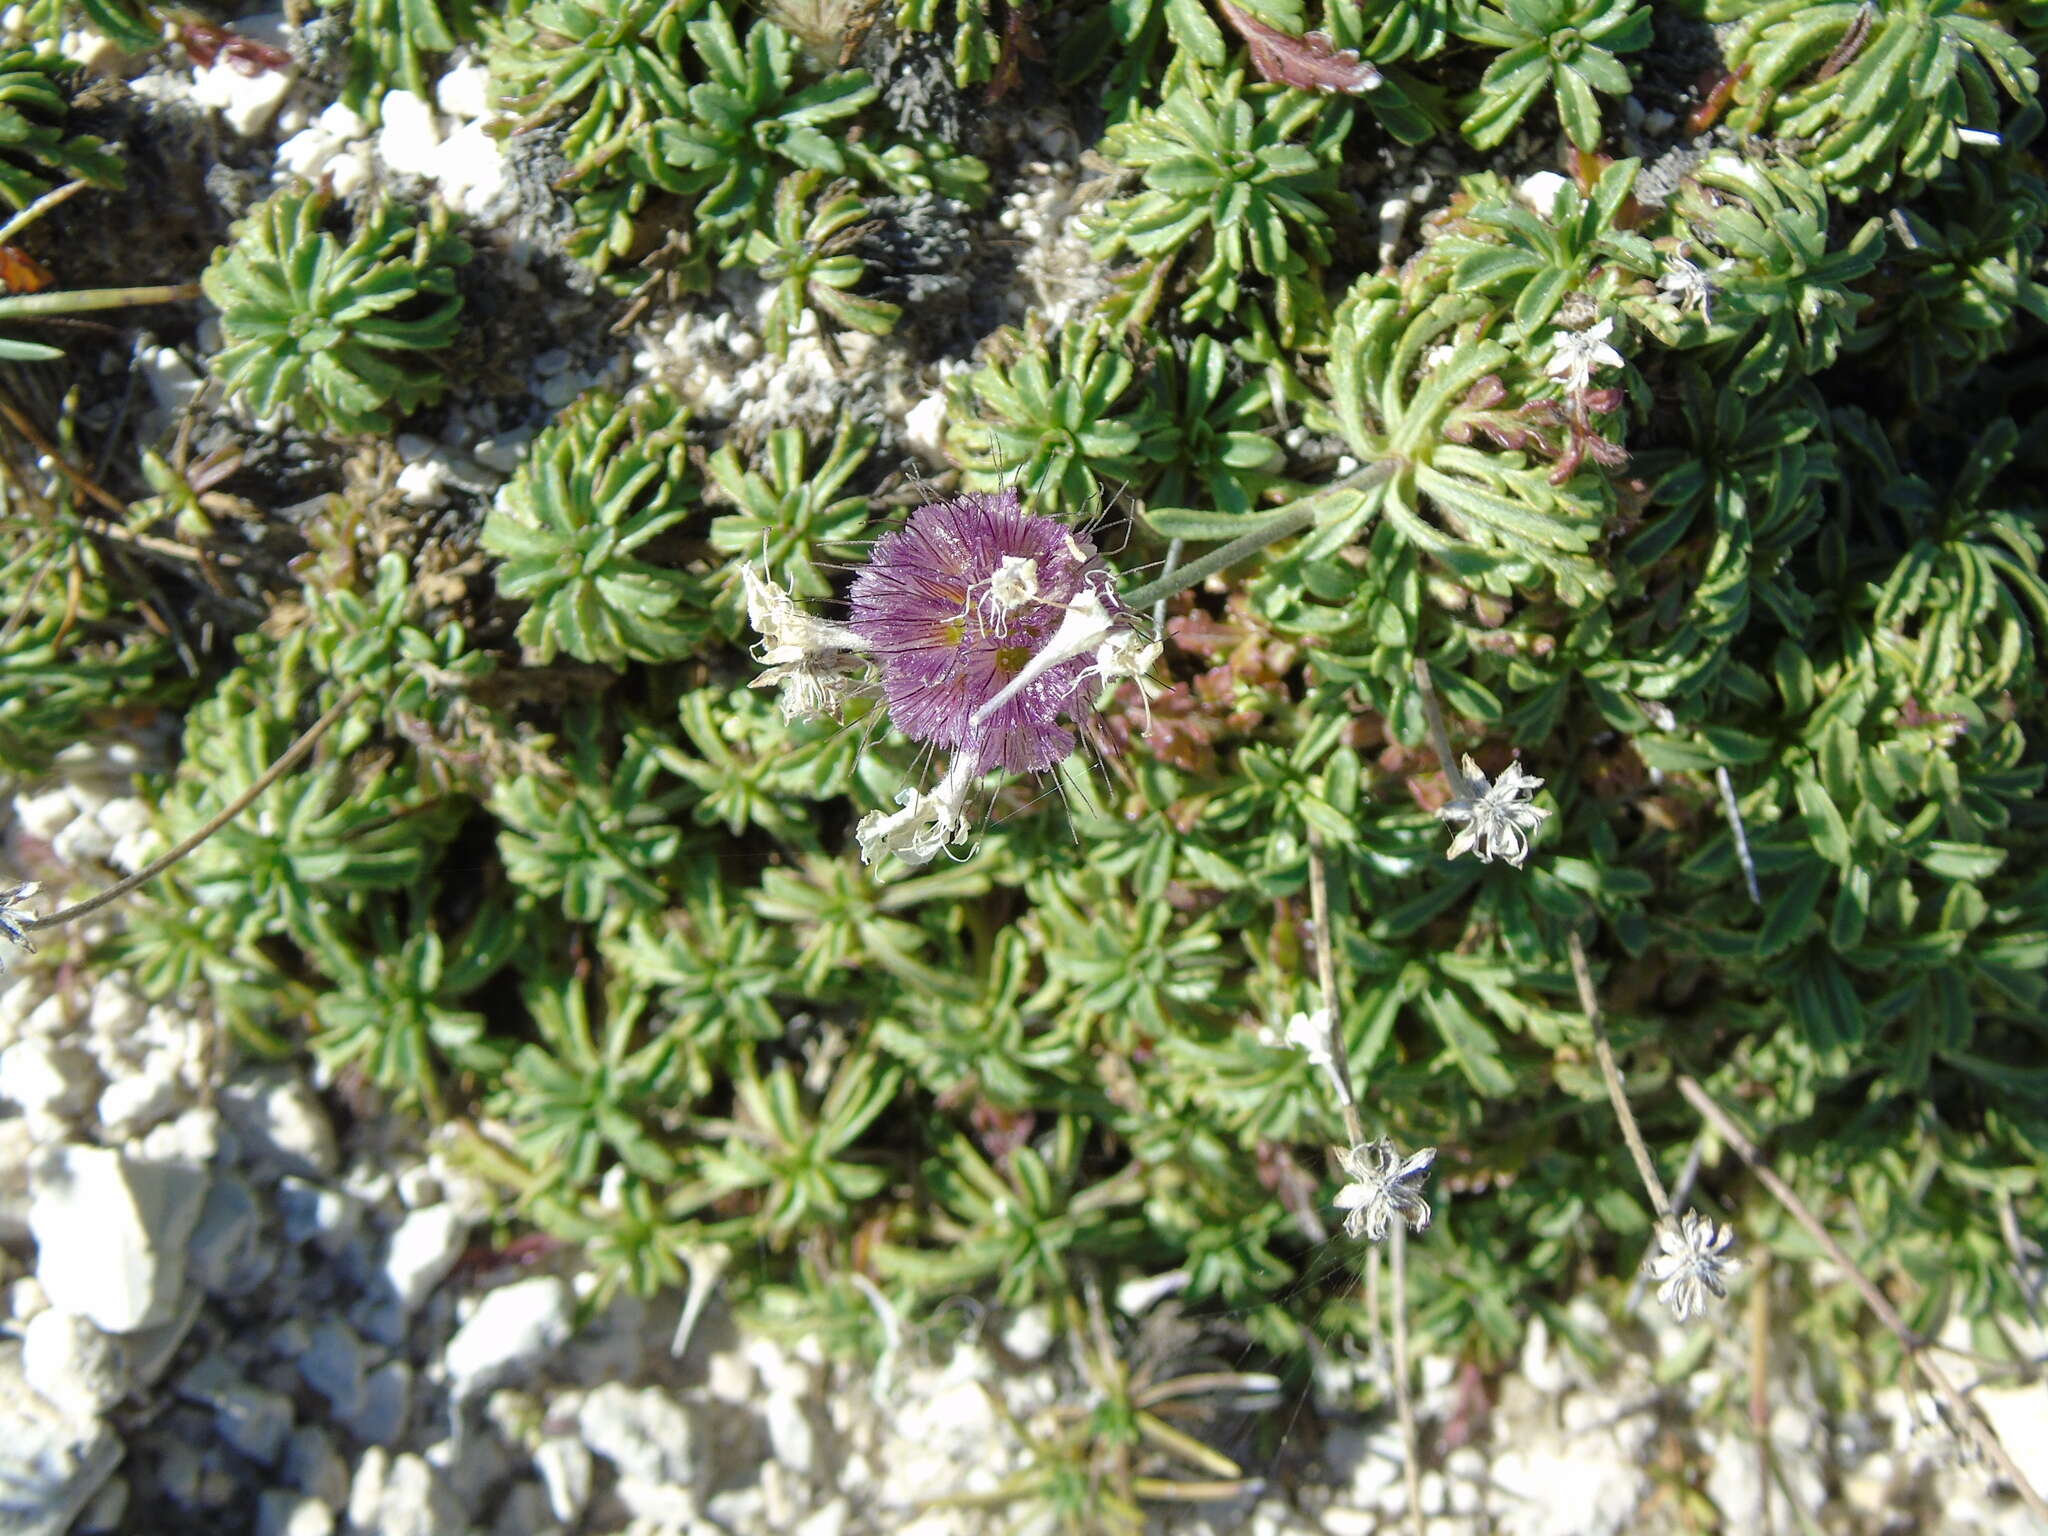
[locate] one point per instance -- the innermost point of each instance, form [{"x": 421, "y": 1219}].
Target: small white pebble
[{"x": 465, "y": 90}]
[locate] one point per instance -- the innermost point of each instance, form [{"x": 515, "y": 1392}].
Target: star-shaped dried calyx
[
  {"x": 1694, "y": 1265},
  {"x": 1385, "y": 1187},
  {"x": 1497, "y": 818},
  {"x": 15, "y": 918}
]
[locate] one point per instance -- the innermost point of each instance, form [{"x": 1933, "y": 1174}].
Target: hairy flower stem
[
  {"x": 1589, "y": 1000},
  {"x": 1297, "y": 517},
  {"x": 1173, "y": 553},
  {"x": 1439, "y": 733},
  {"x": 1404, "y": 1404},
  {"x": 227, "y": 813},
  {"x": 1326, "y": 976},
  {"x": 1961, "y": 1411}
]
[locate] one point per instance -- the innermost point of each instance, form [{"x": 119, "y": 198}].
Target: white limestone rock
[
  {"x": 410, "y": 135},
  {"x": 51, "y": 1463},
  {"x": 137, "y": 1104},
  {"x": 464, "y": 90},
  {"x": 646, "y": 1434},
  {"x": 42, "y": 816},
  {"x": 512, "y": 1329},
  {"x": 424, "y": 1247},
  {"x": 246, "y": 103},
  {"x": 401, "y": 1496},
  {"x": 74, "y": 1365},
  {"x": 280, "y": 1119},
  {"x": 47, "y": 1079},
  {"x": 565, "y": 1466},
  {"x": 281, "y": 1512},
  {"x": 314, "y": 1467},
  {"x": 110, "y": 1233}
]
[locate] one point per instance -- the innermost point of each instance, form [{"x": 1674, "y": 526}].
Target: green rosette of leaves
[
  {"x": 595, "y": 488},
  {"x": 320, "y": 329}
]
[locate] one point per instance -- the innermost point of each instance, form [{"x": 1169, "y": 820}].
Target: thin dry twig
[
  {"x": 1760, "y": 1395},
  {"x": 1741, "y": 834},
  {"x": 1589, "y": 1000},
  {"x": 227, "y": 813},
  {"x": 1404, "y": 1405},
  {"x": 1326, "y": 976},
  {"x": 1439, "y": 733},
  {"x": 1962, "y": 1412},
  {"x": 40, "y": 441}
]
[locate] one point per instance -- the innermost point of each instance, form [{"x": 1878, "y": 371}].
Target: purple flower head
[{"x": 960, "y": 602}]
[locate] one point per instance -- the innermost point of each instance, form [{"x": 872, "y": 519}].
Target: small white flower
[
  {"x": 1313, "y": 1035},
  {"x": 1694, "y": 1262},
  {"x": 926, "y": 825},
  {"x": 1125, "y": 656},
  {"x": 1012, "y": 586},
  {"x": 1498, "y": 818},
  {"x": 1575, "y": 356},
  {"x": 15, "y": 918},
  {"x": 1686, "y": 283},
  {"x": 1310, "y": 1034},
  {"x": 1385, "y": 1188},
  {"x": 816, "y": 663}
]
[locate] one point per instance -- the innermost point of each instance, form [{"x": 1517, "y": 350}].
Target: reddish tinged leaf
[
  {"x": 1709, "y": 111},
  {"x": 1001, "y": 1131},
  {"x": 206, "y": 43},
  {"x": 1312, "y": 63},
  {"x": 1019, "y": 42}
]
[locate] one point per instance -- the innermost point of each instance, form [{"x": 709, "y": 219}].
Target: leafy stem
[{"x": 1297, "y": 517}]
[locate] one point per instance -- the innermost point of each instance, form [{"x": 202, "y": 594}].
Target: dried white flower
[
  {"x": 816, "y": 663},
  {"x": 1575, "y": 356},
  {"x": 1498, "y": 818},
  {"x": 1385, "y": 1188},
  {"x": 1686, "y": 283},
  {"x": 1694, "y": 1262},
  {"x": 13, "y": 911},
  {"x": 926, "y": 825},
  {"x": 1085, "y": 623},
  {"x": 787, "y": 632},
  {"x": 817, "y": 685}
]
